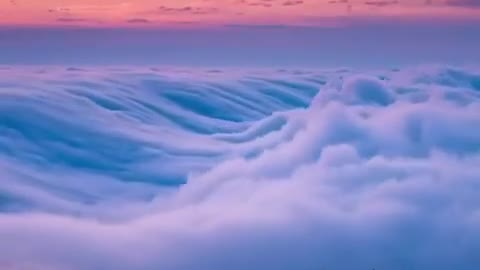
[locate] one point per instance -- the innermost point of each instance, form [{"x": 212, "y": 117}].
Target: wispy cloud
[
  {"x": 138, "y": 20},
  {"x": 71, "y": 20},
  {"x": 293, "y": 3},
  {"x": 188, "y": 10},
  {"x": 382, "y": 3}
]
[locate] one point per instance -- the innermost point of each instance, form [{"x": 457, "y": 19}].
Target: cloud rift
[{"x": 190, "y": 169}]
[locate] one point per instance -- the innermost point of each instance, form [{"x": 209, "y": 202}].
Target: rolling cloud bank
[{"x": 154, "y": 168}]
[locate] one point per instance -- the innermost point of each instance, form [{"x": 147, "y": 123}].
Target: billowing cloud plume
[{"x": 131, "y": 168}]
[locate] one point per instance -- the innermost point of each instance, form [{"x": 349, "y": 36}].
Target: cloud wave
[{"x": 136, "y": 168}]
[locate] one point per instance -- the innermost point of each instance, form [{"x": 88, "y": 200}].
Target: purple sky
[{"x": 370, "y": 43}]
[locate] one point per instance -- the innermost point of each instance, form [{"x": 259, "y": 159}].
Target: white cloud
[{"x": 375, "y": 173}]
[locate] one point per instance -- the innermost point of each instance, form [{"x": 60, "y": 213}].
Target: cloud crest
[{"x": 228, "y": 169}]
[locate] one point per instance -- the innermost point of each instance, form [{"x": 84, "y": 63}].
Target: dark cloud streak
[
  {"x": 139, "y": 21},
  {"x": 381, "y": 3}
]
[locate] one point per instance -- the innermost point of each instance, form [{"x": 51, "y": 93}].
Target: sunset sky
[
  {"x": 109, "y": 13},
  {"x": 239, "y": 134},
  {"x": 240, "y": 32}
]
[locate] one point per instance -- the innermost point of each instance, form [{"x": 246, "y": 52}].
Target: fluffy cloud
[{"x": 189, "y": 169}]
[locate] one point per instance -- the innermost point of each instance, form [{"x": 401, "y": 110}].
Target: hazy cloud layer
[
  {"x": 156, "y": 168},
  {"x": 464, "y": 3},
  {"x": 215, "y": 13}
]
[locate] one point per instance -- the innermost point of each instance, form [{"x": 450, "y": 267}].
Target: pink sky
[{"x": 217, "y": 12}]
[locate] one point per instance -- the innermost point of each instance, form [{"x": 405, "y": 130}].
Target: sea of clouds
[{"x": 183, "y": 169}]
